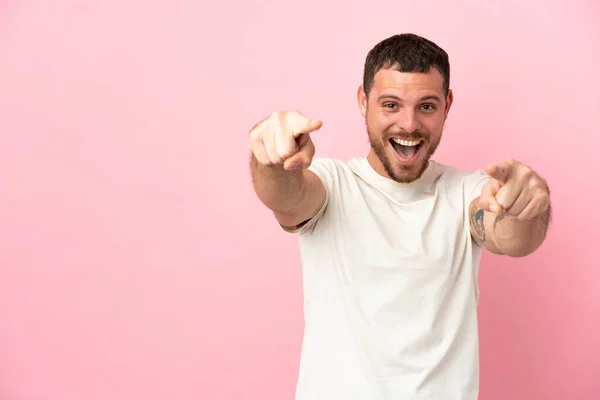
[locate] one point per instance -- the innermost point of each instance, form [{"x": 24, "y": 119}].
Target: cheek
[
  {"x": 434, "y": 125},
  {"x": 382, "y": 122},
  {"x": 375, "y": 122}
]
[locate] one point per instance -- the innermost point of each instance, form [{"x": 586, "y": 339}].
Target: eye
[
  {"x": 428, "y": 107},
  {"x": 389, "y": 106}
]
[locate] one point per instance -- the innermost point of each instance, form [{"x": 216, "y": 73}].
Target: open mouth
[{"x": 406, "y": 149}]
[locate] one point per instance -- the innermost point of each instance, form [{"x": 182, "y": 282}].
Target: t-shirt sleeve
[
  {"x": 472, "y": 186},
  {"x": 324, "y": 168}
]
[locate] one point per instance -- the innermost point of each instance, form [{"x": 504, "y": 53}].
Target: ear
[
  {"x": 362, "y": 101},
  {"x": 449, "y": 100}
]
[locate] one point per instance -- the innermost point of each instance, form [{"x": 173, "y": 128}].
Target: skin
[
  {"x": 510, "y": 217},
  {"x": 406, "y": 106},
  {"x": 281, "y": 151}
]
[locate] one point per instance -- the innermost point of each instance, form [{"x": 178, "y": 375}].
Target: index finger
[
  {"x": 499, "y": 171},
  {"x": 304, "y": 128}
]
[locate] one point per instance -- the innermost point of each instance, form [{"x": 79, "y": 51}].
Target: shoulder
[
  {"x": 322, "y": 164},
  {"x": 332, "y": 171},
  {"x": 454, "y": 173},
  {"x": 461, "y": 184},
  {"x": 461, "y": 178}
]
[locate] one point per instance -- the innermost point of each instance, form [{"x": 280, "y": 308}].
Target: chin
[{"x": 403, "y": 171}]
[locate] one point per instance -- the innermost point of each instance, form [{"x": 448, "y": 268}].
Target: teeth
[{"x": 406, "y": 142}]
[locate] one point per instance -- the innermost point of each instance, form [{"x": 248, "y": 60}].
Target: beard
[{"x": 402, "y": 173}]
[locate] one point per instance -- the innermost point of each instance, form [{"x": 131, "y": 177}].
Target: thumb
[{"x": 487, "y": 199}]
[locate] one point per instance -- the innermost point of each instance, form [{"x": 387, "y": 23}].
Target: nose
[{"x": 408, "y": 120}]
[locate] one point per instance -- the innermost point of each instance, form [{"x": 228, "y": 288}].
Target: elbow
[
  {"x": 519, "y": 249},
  {"x": 518, "y": 252}
]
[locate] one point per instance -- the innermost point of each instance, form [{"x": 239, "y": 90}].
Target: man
[{"x": 391, "y": 243}]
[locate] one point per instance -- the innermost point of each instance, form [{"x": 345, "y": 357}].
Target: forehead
[{"x": 394, "y": 81}]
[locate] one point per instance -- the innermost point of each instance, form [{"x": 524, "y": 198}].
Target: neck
[{"x": 376, "y": 164}]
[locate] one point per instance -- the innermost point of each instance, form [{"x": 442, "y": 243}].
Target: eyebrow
[{"x": 424, "y": 98}]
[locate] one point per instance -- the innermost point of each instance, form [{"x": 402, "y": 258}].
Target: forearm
[
  {"x": 280, "y": 190},
  {"x": 517, "y": 238}
]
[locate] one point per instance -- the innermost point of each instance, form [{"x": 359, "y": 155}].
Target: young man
[{"x": 391, "y": 243}]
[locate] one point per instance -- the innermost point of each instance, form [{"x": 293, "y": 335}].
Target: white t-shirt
[{"x": 390, "y": 286}]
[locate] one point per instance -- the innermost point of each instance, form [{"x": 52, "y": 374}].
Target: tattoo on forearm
[
  {"x": 500, "y": 218},
  {"x": 477, "y": 220}
]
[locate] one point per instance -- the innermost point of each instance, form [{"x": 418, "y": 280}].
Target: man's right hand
[{"x": 284, "y": 139}]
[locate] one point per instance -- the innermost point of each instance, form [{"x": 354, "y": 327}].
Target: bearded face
[{"x": 405, "y": 114}]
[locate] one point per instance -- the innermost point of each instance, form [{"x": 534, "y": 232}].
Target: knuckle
[
  {"x": 543, "y": 198},
  {"x": 284, "y": 154},
  {"x": 274, "y": 159},
  {"x": 513, "y": 212},
  {"x": 261, "y": 158},
  {"x": 274, "y": 154},
  {"x": 276, "y": 119},
  {"x": 523, "y": 217},
  {"x": 537, "y": 185},
  {"x": 528, "y": 174},
  {"x": 255, "y": 133},
  {"x": 257, "y": 127},
  {"x": 255, "y": 141}
]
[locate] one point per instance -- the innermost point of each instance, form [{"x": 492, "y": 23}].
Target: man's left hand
[{"x": 514, "y": 189}]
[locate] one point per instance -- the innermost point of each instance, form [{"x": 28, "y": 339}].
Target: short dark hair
[{"x": 406, "y": 52}]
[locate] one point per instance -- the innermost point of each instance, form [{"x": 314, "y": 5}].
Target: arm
[
  {"x": 505, "y": 234},
  {"x": 294, "y": 196},
  {"x": 512, "y": 215},
  {"x": 281, "y": 152}
]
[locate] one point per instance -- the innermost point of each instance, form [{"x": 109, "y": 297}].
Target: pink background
[{"x": 135, "y": 260}]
